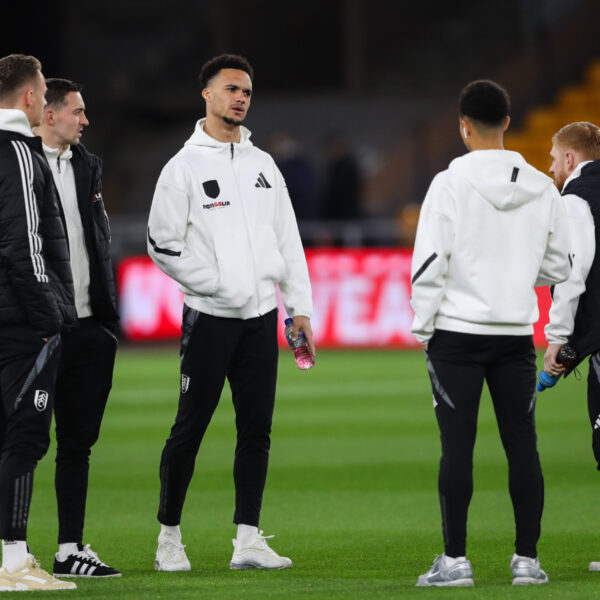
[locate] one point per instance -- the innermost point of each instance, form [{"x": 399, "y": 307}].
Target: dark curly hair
[
  {"x": 224, "y": 61},
  {"x": 484, "y": 101}
]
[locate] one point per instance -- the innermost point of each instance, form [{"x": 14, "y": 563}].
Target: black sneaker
[{"x": 84, "y": 563}]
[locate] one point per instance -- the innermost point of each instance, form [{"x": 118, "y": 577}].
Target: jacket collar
[
  {"x": 13, "y": 119},
  {"x": 201, "y": 138},
  {"x": 576, "y": 173},
  {"x": 55, "y": 153}
]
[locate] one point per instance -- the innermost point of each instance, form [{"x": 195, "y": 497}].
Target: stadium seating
[{"x": 579, "y": 102}]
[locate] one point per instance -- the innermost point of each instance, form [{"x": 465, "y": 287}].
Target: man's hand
[
  {"x": 302, "y": 323},
  {"x": 550, "y": 365}
]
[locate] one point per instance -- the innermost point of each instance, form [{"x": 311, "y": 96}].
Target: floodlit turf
[{"x": 351, "y": 493}]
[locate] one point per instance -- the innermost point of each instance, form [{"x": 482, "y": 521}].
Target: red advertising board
[{"x": 361, "y": 299}]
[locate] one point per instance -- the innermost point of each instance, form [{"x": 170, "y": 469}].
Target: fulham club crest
[
  {"x": 40, "y": 400},
  {"x": 185, "y": 383}
]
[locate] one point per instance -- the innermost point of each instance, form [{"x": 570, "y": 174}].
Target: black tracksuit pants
[
  {"x": 28, "y": 369},
  {"x": 212, "y": 349},
  {"x": 593, "y": 397},
  {"x": 458, "y": 364},
  {"x": 82, "y": 387}
]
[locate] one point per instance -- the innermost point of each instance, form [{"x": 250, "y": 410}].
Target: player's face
[
  {"x": 560, "y": 166},
  {"x": 37, "y": 100},
  {"x": 228, "y": 96},
  {"x": 69, "y": 120}
]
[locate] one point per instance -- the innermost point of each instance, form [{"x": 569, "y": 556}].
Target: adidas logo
[
  {"x": 597, "y": 423},
  {"x": 262, "y": 182}
]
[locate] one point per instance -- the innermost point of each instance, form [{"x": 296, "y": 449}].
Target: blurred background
[{"x": 355, "y": 99}]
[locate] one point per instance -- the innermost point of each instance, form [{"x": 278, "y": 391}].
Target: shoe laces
[
  {"x": 88, "y": 554},
  {"x": 173, "y": 549},
  {"x": 261, "y": 541}
]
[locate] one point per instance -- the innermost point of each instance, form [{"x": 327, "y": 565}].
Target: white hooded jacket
[
  {"x": 491, "y": 228},
  {"x": 222, "y": 225}
]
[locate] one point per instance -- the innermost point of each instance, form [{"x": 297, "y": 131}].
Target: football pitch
[{"x": 351, "y": 493}]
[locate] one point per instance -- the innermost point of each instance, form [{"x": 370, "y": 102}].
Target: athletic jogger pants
[
  {"x": 27, "y": 378},
  {"x": 82, "y": 387},
  {"x": 213, "y": 349},
  {"x": 458, "y": 364}
]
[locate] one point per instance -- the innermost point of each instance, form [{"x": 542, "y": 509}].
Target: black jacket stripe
[
  {"x": 162, "y": 250},
  {"x": 424, "y": 266}
]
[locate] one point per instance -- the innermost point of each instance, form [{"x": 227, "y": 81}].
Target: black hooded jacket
[
  {"x": 88, "y": 173},
  {"x": 36, "y": 284},
  {"x": 585, "y": 339}
]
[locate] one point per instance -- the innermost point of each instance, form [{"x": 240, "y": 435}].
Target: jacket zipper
[
  {"x": 249, "y": 234},
  {"x": 58, "y": 163}
]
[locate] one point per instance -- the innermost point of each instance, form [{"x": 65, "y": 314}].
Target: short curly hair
[
  {"x": 484, "y": 101},
  {"x": 15, "y": 71},
  {"x": 224, "y": 61}
]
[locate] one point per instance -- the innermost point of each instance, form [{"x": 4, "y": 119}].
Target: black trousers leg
[
  {"x": 457, "y": 383},
  {"x": 511, "y": 379},
  {"x": 207, "y": 345},
  {"x": 458, "y": 364},
  {"x": 27, "y": 372},
  {"x": 82, "y": 388},
  {"x": 593, "y": 398},
  {"x": 253, "y": 377}
]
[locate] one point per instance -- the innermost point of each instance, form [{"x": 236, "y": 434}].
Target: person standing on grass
[
  {"x": 222, "y": 225},
  {"x": 36, "y": 301},
  {"x": 491, "y": 229},
  {"x": 574, "y": 316},
  {"x": 88, "y": 354}
]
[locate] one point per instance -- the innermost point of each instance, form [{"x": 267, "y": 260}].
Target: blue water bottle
[{"x": 566, "y": 356}]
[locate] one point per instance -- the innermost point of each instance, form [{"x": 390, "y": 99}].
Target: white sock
[
  {"x": 64, "y": 550},
  {"x": 14, "y": 555},
  {"x": 170, "y": 531},
  {"x": 452, "y": 560},
  {"x": 246, "y": 533}
]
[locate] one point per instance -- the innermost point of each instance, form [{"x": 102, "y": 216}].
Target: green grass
[{"x": 351, "y": 492}]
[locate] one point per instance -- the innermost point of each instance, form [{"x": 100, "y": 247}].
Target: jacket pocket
[
  {"x": 234, "y": 265},
  {"x": 270, "y": 264}
]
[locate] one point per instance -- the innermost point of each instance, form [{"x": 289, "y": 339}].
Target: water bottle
[
  {"x": 566, "y": 356},
  {"x": 304, "y": 358}
]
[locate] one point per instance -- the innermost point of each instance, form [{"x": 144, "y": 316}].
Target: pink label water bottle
[{"x": 304, "y": 358}]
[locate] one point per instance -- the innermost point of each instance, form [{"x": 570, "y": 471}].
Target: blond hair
[{"x": 582, "y": 136}]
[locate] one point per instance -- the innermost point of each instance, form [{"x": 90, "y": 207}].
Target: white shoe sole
[
  {"x": 69, "y": 575},
  {"x": 528, "y": 581},
  {"x": 171, "y": 568},
  {"x": 595, "y": 566},
  {"x": 245, "y": 566},
  {"x": 455, "y": 583}
]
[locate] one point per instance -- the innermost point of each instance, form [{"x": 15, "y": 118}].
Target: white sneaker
[
  {"x": 31, "y": 577},
  {"x": 447, "y": 572},
  {"x": 257, "y": 555},
  {"x": 526, "y": 570},
  {"x": 170, "y": 556},
  {"x": 595, "y": 566}
]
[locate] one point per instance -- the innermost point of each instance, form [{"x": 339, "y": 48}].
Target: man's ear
[
  {"x": 570, "y": 161},
  {"x": 206, "y": 94},
  {"x": 49, "y": 116}
]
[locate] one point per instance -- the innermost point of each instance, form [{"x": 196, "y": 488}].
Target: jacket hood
[
  {"x": 201, "y": 138},
  {"x": 502, "y": 177},
  {"x": 13, "y": 119}
]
